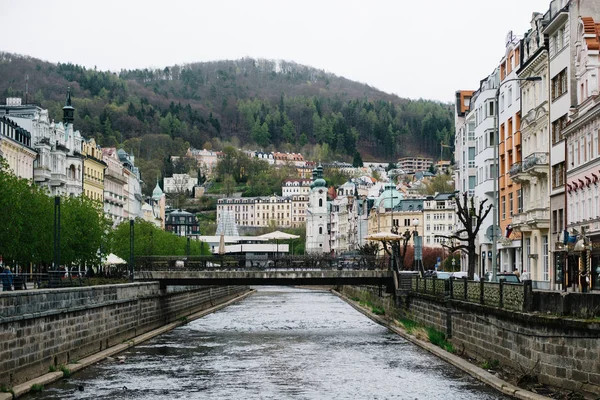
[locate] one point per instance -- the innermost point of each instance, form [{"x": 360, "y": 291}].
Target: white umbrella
[
  {"x": 384, "y": 236},
  {"x": 113, "y": 259},
  {"x": 277, "y": 236}
]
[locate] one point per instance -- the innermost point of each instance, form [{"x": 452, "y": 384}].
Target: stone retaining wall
[
  {"x": 562, "y": 352},
  {"x": 40, "y": 328}
]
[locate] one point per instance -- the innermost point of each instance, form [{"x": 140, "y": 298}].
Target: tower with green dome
[{"x": 317, "y": 214}]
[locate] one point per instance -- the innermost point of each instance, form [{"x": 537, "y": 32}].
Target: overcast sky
[{"x": 413, "y": 48}]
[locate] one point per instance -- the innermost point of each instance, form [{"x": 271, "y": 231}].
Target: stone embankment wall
[
  {"x": 560, "y": 351},
  {"x": 43, "y": 328}
]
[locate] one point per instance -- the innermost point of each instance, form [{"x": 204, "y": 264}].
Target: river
[{"x": 280, "y": 343}]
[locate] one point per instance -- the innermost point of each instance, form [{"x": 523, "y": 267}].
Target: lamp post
[
  {"x": 497, "y": 171},
  {"x": 131, "y": 258},
  {"x": 418, "y": 240}
]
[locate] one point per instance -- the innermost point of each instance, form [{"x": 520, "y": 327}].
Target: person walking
[{"x": 7, "y": 279}]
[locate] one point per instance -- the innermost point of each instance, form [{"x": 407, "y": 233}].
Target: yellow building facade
[{"x": 93, "y": 171}]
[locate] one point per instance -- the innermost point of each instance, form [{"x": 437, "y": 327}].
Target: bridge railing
[{"x": 258, "y": 262}]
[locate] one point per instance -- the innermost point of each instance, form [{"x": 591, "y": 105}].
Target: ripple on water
[{"x": 280, "y": 343}]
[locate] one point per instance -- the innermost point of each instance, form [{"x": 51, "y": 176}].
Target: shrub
[
  {"x": 37, "y": 387},
  {"x": 66, "y": 371}
]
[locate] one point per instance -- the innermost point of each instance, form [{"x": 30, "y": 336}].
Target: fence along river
[{"x": 280, "y": 343}]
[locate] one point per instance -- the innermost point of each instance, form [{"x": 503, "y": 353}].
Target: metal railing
[
  {"x": 510, "y": 296},
  {"x": 248, "y": 262}
]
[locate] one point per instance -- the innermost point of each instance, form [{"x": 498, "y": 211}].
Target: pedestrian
[{"x": 7, "y": 279}]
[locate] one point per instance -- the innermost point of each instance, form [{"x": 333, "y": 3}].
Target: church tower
[
  {"x": 68, "y": 110},
  {"x": 317, "y": 215}
]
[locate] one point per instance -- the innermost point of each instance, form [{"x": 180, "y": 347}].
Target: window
[
  {"x": 559, "y": 84},
  {"x": 557, "y": 128},
  {"x": 510, "y": 204},
  {"x": 320, "y": 202},
  {"x": 520, "y": 201},
  {"x": 558, "y": 173},
  {"x": 503, "y": 207},
  {"x": 490, "y": 109},
  {"x": 320, "y": 230}
]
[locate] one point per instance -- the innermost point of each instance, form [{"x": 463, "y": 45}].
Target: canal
[{"x": 280, "y": 343}]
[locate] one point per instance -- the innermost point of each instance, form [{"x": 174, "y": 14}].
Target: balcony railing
[
  {"x": 515, "y": 169},
  {"x": 535, "y": 159}
]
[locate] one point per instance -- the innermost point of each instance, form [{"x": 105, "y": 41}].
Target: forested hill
[{"x": 254, "y": 103}]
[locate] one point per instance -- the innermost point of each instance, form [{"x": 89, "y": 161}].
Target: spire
[{"x": 68, "y": 109}]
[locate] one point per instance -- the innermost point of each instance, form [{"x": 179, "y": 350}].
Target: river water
[{"x": 280, "y": 343}]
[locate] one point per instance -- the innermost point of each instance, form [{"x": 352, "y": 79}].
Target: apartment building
[
  {"x": 583, "y": 158},
  {"x": 16, "y": 148},
  {"x": 509, "y": 119},
  {"x": 533, "y": 172},
  {"x": 93, "y": 170},
  {"x": 410, "y": 165}
]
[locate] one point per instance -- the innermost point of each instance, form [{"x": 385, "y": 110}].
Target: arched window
[
  {"x": 320, "y": 230},
  {"x": 320, "y": 202}
]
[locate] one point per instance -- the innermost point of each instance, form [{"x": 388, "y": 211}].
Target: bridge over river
[{"x": 284, "y": 271}]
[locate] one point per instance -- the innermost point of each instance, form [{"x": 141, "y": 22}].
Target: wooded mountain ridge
[{"x": 260, "y": 104}]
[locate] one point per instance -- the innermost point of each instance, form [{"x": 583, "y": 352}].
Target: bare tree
[{"x": 464, "y": 238}]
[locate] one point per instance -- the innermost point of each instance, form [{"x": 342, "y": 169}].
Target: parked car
[
  {"x": 463, "y": 274},
  {"x": 442, "y": 275},
  {"x": 507, "y": 276}
]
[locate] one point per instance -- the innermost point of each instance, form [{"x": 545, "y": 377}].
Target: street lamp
[
  {"x": 131, "y": 257},
  {"x": 418, "y": 240},
  {"x": 497, "y": 171}
]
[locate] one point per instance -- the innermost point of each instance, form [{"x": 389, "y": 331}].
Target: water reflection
[{"x": 279, "y": 343}]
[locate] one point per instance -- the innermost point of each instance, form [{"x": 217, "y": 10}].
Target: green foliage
[
  {"x": 441, "y": 183},
  {"x": 149, "y": 240},
  {"x": 52, "y": 368},
  {"x": 197, "y": 102},
  {"x": 66, "y": 371},
  {"x": 26, "y": 232},
  {"x": 6, "y": 389},
  {"x": 491, "y": 364},
  {"x": 439, "y": 339},
  {"x": 357, "y": 161},
  {"x": 377, "y": 311},
  {"x": 37, "y": 388},
  {"x": 408, "y": 324}
]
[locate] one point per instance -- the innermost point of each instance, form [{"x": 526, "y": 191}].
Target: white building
[
  {"x": 344, "y": 222},
  {"x": 58, "y": 166},
  {"x": 533, "y": 172},
  {"x": 133, "y": 188},
  {"x": 115, "y": 181},
  {"x": 439, "y": 215},
  {"x": 180, "y": 183}
]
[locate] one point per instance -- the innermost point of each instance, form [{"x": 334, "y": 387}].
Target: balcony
[
  {"x": 116, "y": 175},
  {"x": 535, "y": 218},
  {"x": 536, "y": 164},
  {"x": 57, "y": 179},
  {"x": 41, "y": 174}
]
